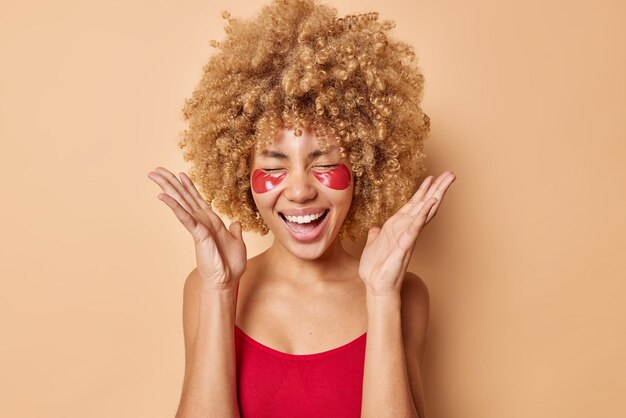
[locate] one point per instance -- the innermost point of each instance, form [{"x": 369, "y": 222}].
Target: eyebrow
[{"x": 281, "y": 156}]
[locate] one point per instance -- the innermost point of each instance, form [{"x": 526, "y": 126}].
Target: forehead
[{"x": 286, "y": 145}]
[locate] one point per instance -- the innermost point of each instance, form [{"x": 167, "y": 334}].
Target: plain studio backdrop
[{"x": 525, "y": 260}]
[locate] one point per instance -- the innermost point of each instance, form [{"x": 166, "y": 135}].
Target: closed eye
[{"x": 270, "y": 170}]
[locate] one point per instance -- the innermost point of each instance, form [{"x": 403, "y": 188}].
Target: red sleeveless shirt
[{"x": 273, "y": 384}]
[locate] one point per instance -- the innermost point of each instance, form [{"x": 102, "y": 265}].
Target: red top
[{"x": 274, "y": 384}]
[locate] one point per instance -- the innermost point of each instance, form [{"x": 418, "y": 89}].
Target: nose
[{"x": 300, "y": 187}]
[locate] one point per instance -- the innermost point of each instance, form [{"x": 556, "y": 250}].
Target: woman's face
[{"x": 294, "y": 177}]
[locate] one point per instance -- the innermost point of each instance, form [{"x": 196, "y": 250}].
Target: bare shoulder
[
  {"x": 191, "y": 293},
  {"x": 192, "y": 282},
  {"x": 415, "y": 300},
  {"x": 414, "y": 288},
  {"x": 191, "y": 303}
]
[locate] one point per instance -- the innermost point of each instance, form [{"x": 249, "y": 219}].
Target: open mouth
[{"x": 305, "y": 228}]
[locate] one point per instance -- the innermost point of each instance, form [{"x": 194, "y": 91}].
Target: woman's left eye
[{"x": 271, "y": 170}]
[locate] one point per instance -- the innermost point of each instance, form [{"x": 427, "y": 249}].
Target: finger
[
  {"x": 372, "y": 234},
  {"x": 235, "y": 229},
  {"x": 191, "y": 188},
  {"x": 169, "y": 189},
  {"x": 188, "y": 221},
  {"x": 417, "y": 196},
  {"x": 177, "y": 190},
  {"x": 215, "y": 220},
  {"x": 439, "y": 194},
  {"x": 435, "y": 190},
  {"x": 420, "y": 220},
  {"x": 180, "y": 187}
]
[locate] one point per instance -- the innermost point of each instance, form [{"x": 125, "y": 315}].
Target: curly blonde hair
[{"x": 296, "y": 65}]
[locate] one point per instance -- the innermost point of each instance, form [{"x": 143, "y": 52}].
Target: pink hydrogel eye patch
[
  {"x": 263, "y": 182},
  {"x": 338, "y": 178}
]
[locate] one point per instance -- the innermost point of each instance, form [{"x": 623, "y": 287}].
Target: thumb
[
  {"x": 372, "y": 234},
  {"x": 235, "y": 229}
]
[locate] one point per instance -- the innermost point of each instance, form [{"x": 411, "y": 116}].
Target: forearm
[
  {"x": 386, "y": 389},
  {"x": 210, "y": 389}
]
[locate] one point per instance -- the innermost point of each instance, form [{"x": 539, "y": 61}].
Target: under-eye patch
[
  {"x": 263, "y": 182},
  {"x": 338, "y": 178}
]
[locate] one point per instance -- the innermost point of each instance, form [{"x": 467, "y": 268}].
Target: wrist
[
  {"x": 220, "y": 302},
  {"x": 382, "y": 298},
  {"x": 380, "y": 292},
  {"x": 220, "y": 293}
]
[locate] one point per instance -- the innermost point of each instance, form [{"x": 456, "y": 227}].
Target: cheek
[
  {"x": 262, "y": 182},
  {"x": 338, "y": 178}
]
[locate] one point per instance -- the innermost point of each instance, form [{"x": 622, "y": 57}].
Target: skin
[
  {"x": 293, "y": 294},
  {"x": 336, "y": 178},
  {"x": 304, "y": 298},
  {"x": 301, "y": 188},
  {"x": 388, "y": 250}
]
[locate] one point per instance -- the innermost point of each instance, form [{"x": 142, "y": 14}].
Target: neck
[{"x": 332, "y": 266}]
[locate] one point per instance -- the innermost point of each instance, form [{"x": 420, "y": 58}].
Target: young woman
[{"x": 307, "y": 126}]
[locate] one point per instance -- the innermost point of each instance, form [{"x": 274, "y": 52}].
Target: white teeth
[{"x": 303, "y": 219}]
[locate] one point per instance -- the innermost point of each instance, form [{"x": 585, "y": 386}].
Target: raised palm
[
  {"x": 220, "y": 252},
  {"x": 388, "y": 250}
]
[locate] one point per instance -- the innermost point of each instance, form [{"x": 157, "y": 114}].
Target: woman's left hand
[{"x": 388, "y": 250}]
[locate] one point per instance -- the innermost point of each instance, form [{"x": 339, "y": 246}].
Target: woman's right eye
[{"x": 271, "y": 169}]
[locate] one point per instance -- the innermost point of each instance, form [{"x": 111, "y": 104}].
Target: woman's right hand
[{"x": 220, "y": 253}]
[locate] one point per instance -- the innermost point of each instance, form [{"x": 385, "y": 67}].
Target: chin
[
  {"x": 307, "y": 252},
  {"x": 306, "y": 247}
]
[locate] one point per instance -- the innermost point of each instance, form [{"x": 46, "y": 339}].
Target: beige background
[{"x": 525, "y": 261}]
